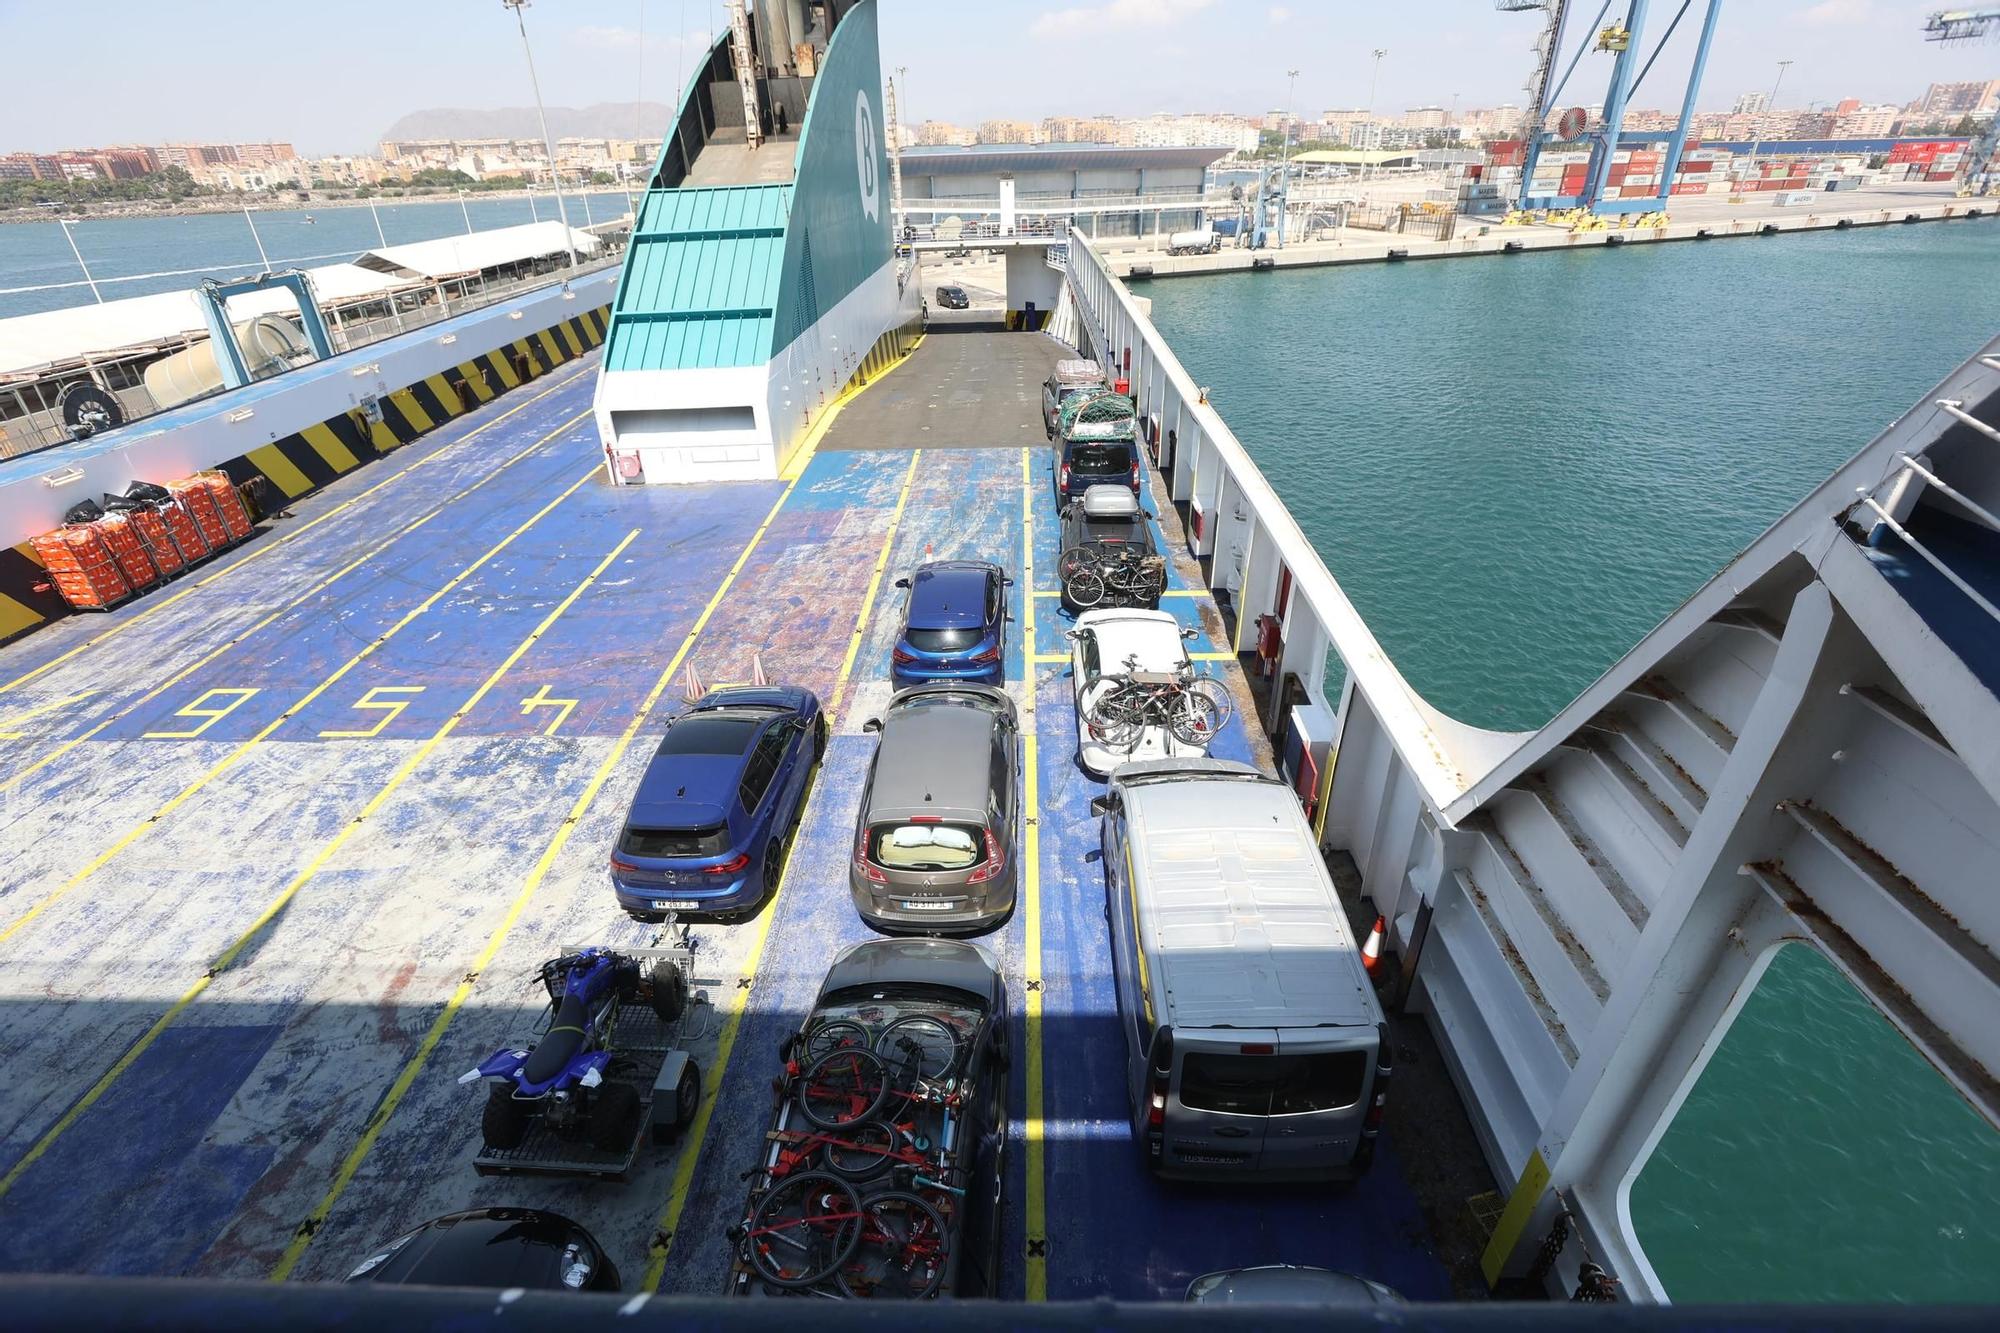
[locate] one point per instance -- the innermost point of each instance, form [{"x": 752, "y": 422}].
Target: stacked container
[
  {"x": 228, "y": 502},
  {"x": 195, "y": 495},
  {"x": 129, "y": 550}
]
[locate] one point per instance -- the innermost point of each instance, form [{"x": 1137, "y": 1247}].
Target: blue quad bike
[{"x": 565, "y": 1080}]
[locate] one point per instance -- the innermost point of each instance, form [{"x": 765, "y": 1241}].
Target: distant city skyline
[{"x": 333, "y": 81}]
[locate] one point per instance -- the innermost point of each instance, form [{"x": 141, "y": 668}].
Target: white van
[{"x": 1255, "y": 1048}]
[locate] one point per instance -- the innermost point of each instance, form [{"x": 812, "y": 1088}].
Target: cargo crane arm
[{"x": 1976, "y": 173}]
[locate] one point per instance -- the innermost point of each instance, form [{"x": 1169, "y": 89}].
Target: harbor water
[
  {"x": 220, "y": 245},
  {"x": 1516, "y": 466}
]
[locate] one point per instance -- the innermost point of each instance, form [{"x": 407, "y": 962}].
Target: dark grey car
[
  {"x": 1288, "y": 1284},
  {"x": 934, "y": 843}
]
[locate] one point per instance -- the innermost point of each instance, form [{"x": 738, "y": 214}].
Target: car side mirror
[
  {"x": 1006, "y": 582},
  {"x": 1149, "y": 513},
  {"x": 872, "y": 724},
  {"x": 902, "y": 583},
  {"x": 1190, "y": 633},
  {"x": 1103, "y": 805}
]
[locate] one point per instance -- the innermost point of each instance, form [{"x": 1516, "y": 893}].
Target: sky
[{"x": 331, "y": 77}]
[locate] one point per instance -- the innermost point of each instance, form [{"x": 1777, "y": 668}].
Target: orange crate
[
  {"x": 82, "y": 567},
  {"x": 201, "y": 505},
  {"x": 152, "y": 529},
  {"x": 181, "y": 524},
  {"x": 228, "y": 502},
  {"x": 126, "y": 548}
]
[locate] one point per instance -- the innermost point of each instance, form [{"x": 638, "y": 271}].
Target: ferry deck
[{"x": 286, "y": 842}]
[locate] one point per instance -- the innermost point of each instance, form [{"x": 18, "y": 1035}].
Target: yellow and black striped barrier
[{"x": 306, "y": 460}]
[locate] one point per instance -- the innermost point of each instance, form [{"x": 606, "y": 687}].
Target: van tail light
[
  {"x": 994, "y": 863},
  {"x": 903, "y": 656},
  {"x": 1156, "y": 1105},
  {"x": 1062, "y": 479},
  {"x": 869, "y": 870},
  {"x": 1257, "y": 1048},
  {"x": 1135, "y": 474},
  {"x": 1378, "y": 1099},
  {"x": 1161, "y": 1075}
]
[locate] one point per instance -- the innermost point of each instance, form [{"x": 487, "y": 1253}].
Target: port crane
[
  {"x": 1949, "y": 26},
  {"x": 1623, "y": 39}
]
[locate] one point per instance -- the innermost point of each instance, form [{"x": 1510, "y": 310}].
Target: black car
[
  {"x": 1105, "y": 531},
  {"x": 494, "y": 1247},
  {"x": 888, "y": 1137},
  {"x": 953, "y": 298}
]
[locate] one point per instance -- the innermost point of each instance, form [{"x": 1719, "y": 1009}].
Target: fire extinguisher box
[{"x": 1200, "y": 536}]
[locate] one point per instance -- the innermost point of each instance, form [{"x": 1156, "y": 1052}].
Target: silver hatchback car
[{"x": 934, "y": 844}]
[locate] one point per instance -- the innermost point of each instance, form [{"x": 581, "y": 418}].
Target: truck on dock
[{"x": 1204, "y": 240}]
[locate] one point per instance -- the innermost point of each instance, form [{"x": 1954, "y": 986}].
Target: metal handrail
[
  {"x": 1955, "y": 408},
  {"x": 1939, "y": 482},
  {"x": 1930, "y": 559}
]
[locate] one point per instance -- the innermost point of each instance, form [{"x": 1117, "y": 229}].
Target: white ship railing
[{"x": 1578, "y": 1003}]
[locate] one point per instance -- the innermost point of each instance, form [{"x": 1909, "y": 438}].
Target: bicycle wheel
[
  {"x": 1220, "y": 699},
  {"x": 832, "y": 1035},
  {"x": 1191, "y": 718},
  {"x": 918, "y": 1046},
  {"x": 843, "y": 1087},
  {"x": 1086, "y": 588},
  {"x": 1111, "y": 719},
  {"x": 803, "y": 1229},
  {"x": 863, "y": 1152},
  {"x": 1074, "y": 561},
  {"x": 901, "y": 1252}
]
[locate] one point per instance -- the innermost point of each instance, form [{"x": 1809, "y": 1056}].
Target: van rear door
[
  {"x": 1220, "y": 1101},
  {"x": 1318, "y": 1099}
]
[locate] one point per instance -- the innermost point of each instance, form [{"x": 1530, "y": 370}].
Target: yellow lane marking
[
  {"x": 739, "y": 1003},
  {"x": 312, "y": 867},
  {"x": 795, "y": 467},
  {"x": 236, "y": 755},
  {"x": 874, "y": 584},
  {"x": 295, "y": 602},
  {"x": 1211, "y": 657},
  {"x": 209, "y": 713},
  {"x": 540, "y": 699},
  {"x": 265, "y": 548},
  {"x": 379, "y": 1119},
  {"x": 7, "y": 732},
  {"x": 1185, "y": 592},
  {"x": 377, "y": 701},
  {"x": 1037, "y": 1265},
  {"x": 1050, "y": 659}
]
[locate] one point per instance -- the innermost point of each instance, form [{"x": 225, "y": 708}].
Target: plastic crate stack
[
  {"x": 82, "y": 567},
  {"x": 151, "y": 534}
]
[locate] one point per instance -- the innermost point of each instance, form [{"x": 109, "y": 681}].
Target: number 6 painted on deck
[
  {"x": 211, "y": 715},
  {"x": 390, "y": 708}
]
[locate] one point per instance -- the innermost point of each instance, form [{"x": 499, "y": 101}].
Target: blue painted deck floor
[{"x": 282, "y": 856}]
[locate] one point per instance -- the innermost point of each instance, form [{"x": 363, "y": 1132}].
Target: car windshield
[
  {"x": 926, "y": 846},
  {"x": 944, "y": 640},
  {"x": 1272, "y": 1084},
  {"x": 710, "y": 840},
  {"x": 1099, "y": 460},
  {"x": 696, "y": 734}
]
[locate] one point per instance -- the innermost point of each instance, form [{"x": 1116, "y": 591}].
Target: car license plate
[
  {"x": 926, "y": 905},
  {"x": 674, "y": 904}
]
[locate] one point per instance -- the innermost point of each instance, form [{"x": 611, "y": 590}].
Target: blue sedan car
[
  {"x": 706, "y": 834},
  {"x": 955, "y": 624}
]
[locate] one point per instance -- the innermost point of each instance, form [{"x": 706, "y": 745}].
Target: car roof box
[
  {"x": 1110, "y": 502},
  {"x": 1075, "y": 370}
]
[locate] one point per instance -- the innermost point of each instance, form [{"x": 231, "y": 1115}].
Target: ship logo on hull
[{"x": 866, "y": 164}]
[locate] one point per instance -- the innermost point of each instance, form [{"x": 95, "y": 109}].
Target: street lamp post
[
  {"x": 1769, "y": 107},
  {"x": 375, "y": 213},
  {"x": 466, "y": 212},
  {"x": 1285, "y": 152},
  {"x": 548, "y": 141},
  {"x": 1375, "y": 78}
]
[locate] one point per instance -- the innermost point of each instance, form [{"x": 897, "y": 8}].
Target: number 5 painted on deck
[
  {"x": 202, "y": 709},
  {"x": 390, "y": 708}
]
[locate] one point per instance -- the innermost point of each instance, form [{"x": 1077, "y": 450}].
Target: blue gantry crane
[{"x": 1623, "y": 39}]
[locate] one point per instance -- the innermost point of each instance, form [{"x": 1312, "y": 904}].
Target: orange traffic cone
[{"x": 1371, "y": 952}]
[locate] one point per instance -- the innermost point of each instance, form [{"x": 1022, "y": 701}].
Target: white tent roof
[
  {"x": 452, "y": 256},
  {"x": 55, "y": 337}
]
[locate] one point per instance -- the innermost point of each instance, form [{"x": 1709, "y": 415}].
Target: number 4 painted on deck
[
  {"x": 389, "y": 708},
  {"x": 540, "y": 699}
]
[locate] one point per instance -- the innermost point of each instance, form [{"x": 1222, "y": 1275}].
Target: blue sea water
[
  {"x": 1516, "y": 466},
  {"x": 218, "y": 245}
]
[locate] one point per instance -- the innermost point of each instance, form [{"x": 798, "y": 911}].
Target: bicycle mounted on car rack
[
  {"x": 1192, "y": 706},
  {"x": 860, "y": 1200},
  {"x": 1111, "y": 574}
]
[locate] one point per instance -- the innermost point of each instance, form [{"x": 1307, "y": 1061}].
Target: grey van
[
  {"x": 1255, "y": 1048},
  {"x": 934, "y": 841}
]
